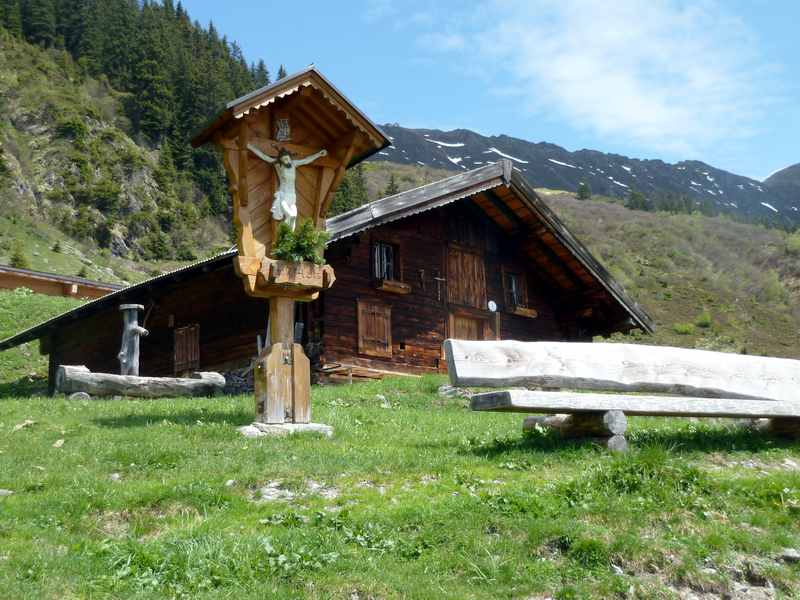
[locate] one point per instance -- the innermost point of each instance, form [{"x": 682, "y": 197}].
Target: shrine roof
[{"x": 309, "y": 77}]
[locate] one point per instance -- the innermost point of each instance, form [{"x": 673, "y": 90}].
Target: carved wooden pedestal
[{"x": 282, "y": 374}]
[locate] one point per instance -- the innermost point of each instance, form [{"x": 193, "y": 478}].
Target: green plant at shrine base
[{"x": 306, "y": 243}]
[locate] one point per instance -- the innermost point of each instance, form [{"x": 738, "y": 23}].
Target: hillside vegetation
[
  {"x": 707, "y": 281},
  {"x": 69, "y": 162}
]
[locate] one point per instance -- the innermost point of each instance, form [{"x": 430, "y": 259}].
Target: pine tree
[
  {"x": 39, "y": 22},
  {"x": 351, "y": 193},
  {"x": 584, "y": 191},
  {"x": 19, "y": 260},
  {"x": 11, "y": 16},
  {"x": 637, "y": 201},
  {"x": 260, "y": 74},
  {"x": 151, "y": 102},
  {"x": 281, "y": 73},
  {"x": 391, "y": 188}
]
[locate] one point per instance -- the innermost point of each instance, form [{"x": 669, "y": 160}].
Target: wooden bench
[{"x": 616, "y": 380}]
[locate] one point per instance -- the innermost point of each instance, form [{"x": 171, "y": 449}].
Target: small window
[
  {"x": 515, "y": 295},
  {"x": 384, "y": 261}
]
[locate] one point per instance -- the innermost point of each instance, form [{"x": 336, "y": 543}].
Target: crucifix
[
  {"x": 284, "y": 205},
  {"x": 265, "y": 136}
]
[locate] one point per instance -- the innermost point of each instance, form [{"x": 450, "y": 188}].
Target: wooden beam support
[{"x": 243, "y": 140}]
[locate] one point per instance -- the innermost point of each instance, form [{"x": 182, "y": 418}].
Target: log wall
[{"x": 420, "y": 319}]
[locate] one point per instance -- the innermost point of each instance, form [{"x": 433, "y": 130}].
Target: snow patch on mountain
[
  {"x": 769, "y": 206},
  {"x": 504, "y": 155},
  {"x": 445, "y": 144},
  {"x": 563, "y": 164}
]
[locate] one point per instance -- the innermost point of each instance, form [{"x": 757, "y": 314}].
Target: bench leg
[
  {"x": 607, "y": 428},
  {"x": 784, "y": 427},
  {"x": 781, "y": 426}
]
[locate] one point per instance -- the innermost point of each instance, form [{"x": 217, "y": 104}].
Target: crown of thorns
[{"x": 284, "y": 152}]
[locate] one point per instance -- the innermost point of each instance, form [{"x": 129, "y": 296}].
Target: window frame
[{"x": 378, "y": 260}]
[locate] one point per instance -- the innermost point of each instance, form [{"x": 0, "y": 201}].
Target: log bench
[{"x": 610, "y": 381}]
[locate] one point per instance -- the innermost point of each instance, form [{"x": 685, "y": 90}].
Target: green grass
[
  {"x": 423, "y": 499},
  {"x": 22, "y": 369}
]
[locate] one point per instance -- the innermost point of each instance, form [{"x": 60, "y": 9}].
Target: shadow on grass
[
  {"x": 702, "y": 440},
  {"x": 23, "y": 387},
  {"x": 188, "y": 417}
]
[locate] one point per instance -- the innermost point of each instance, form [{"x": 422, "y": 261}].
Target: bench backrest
[{"x": 621, "y": 368}]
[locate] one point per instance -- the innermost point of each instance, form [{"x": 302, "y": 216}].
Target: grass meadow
[{"x": 414, "y": 497}]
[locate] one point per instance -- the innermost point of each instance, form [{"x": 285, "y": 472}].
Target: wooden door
[
  {"x": 374, "y": 329},
  {"x": 187, "y": 348},
  {"x": 466, "y": 278},
  {"x": 466, "y": 328}
]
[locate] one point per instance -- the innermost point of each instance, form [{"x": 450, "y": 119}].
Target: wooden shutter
[
  {"x": 466, "y": 278},
  {"x": 466, "y": 328},
  {"x": 187, "y": 348},
  {"x": 374, "y": 329}
]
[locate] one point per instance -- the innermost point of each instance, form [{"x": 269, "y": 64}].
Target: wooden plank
[
  {"x": 243, "y": 162},
  {"x": 622, "y": 368},
  {"x": 526, "y": 401},
  {"x": 278, "y": 379},
  {"x": 301, "y": 381}
]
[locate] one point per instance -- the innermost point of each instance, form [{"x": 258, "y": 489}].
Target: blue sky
[{"x": 707, "y": 80}]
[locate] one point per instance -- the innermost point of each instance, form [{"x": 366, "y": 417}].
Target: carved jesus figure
[{"x": 284, "y": 206}]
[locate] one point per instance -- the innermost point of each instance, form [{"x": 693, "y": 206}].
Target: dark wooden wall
[
  {"x": 229, "y": 322},
  {"x": 420, "y": 319}
]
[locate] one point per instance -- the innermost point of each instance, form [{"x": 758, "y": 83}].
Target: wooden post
[
  {"x": 282, "y": 371},
  {"x": 131, "y": 331}
]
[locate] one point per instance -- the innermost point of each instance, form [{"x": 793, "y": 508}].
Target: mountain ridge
[{"x": 698, "y": 185}]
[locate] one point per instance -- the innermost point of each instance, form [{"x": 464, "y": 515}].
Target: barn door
[
  {"x": 466, "y": 278},
  {"x": 374, "y": 329},
  {"x": 187, "y": 349},
  {"x": 467, "y": 328}
]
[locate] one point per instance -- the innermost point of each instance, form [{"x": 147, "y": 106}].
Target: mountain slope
[
  {"x": 68, "y": 161},
  {"x": 547, "y": 165},
  {"x": 786, "y": 183}
]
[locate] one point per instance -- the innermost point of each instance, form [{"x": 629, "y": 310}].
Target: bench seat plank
[
  {"x": 621, "y": 368},
  {"x": 526, "y": 401}
]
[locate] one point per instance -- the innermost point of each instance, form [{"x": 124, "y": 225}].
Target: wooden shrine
[{"x": 286, "y": 148}]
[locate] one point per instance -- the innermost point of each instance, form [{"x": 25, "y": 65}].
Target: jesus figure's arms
[
  {"x": 260, "y": 154},
  {"x": 309, "y": 159}
]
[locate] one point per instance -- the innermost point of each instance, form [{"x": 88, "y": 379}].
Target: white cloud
[{"x": 670, "y": 75}]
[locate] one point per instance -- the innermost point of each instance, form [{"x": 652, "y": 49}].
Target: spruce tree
[
  {"x": 260, "y": 74},
  {"x": 281, "y": 73},
  {"x": 351, "y": 193},
  {"x": 391, "y": 188},
  {"x": 39, "y": 22},
  {"x": 12, "y": 16},
  {"x": 19, "y": 259},
  {"x": 637, "y": 201},
  {"x": 584, "y": 191}
]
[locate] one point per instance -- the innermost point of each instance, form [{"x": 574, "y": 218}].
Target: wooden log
[
  {"x": 621, "y": 368},
  {"x": 605, "y": 429},
  {"x": 666, "y": 406},
  {"x": 70, "y": 379},
  {"x": 601, "y": 424}
]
